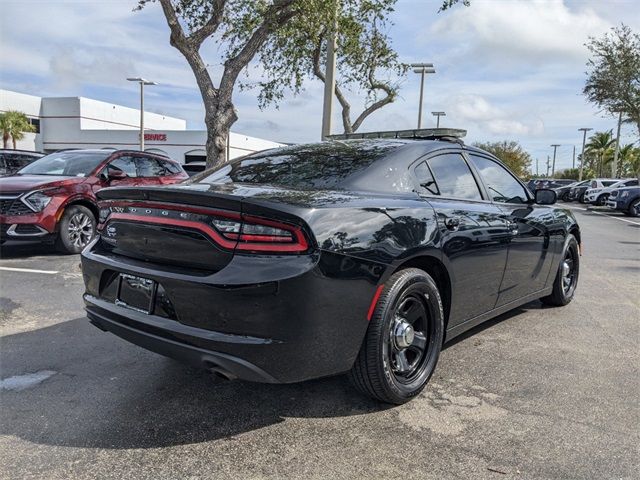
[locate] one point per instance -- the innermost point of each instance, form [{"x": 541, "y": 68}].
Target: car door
[
  {"x": 125, "y": 164},
  {"x": 150, "y": 170},
  {"x": 473, "y": 233},
  {"x": 530, "y": 255}
]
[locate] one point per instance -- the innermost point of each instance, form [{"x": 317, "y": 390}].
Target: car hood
[{"x": 24, "y": 183}]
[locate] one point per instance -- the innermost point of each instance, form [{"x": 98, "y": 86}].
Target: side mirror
[
  {"x": 114, "y": 174},
  {"x": 544, "y": 196}
]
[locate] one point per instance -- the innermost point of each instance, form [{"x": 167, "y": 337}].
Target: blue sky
[{"x": 506, "y": 69}]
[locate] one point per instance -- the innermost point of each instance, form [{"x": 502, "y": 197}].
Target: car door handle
[{"x": 452, "y": 223}]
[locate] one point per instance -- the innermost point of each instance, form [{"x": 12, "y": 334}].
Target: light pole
[
  {"x": 438, "y": 115},
  {"x": 422, "y": 69},
  {"x": 142, "y": 83},
  {"x": 614, "y": 167},
  {"x": 553, "y": 168},
  {"x": 584, "y": 140}
]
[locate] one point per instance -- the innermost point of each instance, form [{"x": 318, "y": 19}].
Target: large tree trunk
[
  {"x": 13, "y": 140},
  {"x": 5, "y": 140}
]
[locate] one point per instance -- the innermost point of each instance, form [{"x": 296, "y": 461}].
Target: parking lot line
[
  {"x": 602, "y": 213},
  {"x": 28, "y": 270}
]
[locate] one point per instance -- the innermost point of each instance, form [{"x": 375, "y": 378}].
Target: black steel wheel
[
  {"x": 76, "y": 229},
  {"x": 402, "y": 344},
  {"x": 566, "y": 281}
]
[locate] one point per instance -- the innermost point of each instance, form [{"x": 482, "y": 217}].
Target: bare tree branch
[{"x": 209, "y": 28}]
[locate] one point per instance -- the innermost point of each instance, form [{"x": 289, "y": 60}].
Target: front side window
[
  {"x": 149, "y": 167},
  {"x": 124, "y": 164},
  {"x": 502, "y": 186},
  {"x": 453, "y": 177}
]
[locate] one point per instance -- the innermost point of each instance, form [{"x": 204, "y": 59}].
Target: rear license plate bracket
[{"x": 136, "y": 293}]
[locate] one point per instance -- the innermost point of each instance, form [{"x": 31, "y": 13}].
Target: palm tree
[
  {"x": 14, "y": 124},
  {"x": 599, "y": 145},
  {"x": 628, "y": 161}
]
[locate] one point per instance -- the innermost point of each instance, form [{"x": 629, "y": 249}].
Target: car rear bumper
[{"x": 301, "y": 317}]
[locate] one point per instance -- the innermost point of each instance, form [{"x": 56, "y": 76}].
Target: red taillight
[{"x": 230, "y": 230}]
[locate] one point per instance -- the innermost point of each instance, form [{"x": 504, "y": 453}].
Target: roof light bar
[{"x": 422, "y": 133}]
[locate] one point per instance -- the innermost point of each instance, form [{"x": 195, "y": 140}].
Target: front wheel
[
  {"x": 566, "y": 281},
  {"x": 402, "y": 344},
  {"x": 634, "y": 208},
  {"x": 77, "y": 229},
  {"x": 601, "y": 200}
]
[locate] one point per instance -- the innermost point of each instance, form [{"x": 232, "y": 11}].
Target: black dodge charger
[{"x": 359, "y": 256}]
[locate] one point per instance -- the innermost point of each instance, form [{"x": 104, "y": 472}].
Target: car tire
[
  {"x": 566, "y": 281},
  {"x": 403, "y": 341},
  {"x": 77, "y": 228},
  {"x": 582, "y": 198},
  {"x": 634, "y": 208},
  {"x": 565, "y": 197},
  {"x": 600, "y": 201}
]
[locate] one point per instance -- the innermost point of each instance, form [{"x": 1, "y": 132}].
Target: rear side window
[
  {"x": 453, "y": 177},
  {"x": 501, "y": 185},
  {"x": 149, "y": 167},
  {"x": 425, "y": 179},
  {"x": 608, "y": 183},
  {"x": 170, "y": 167}
]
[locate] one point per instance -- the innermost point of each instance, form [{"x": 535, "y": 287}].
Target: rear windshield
[
  {"x": 313, "y": 166},
  {"x": 70, "y": 163}
]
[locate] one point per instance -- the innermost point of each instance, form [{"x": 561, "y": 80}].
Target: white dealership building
[{"x": 78, "y": 122}]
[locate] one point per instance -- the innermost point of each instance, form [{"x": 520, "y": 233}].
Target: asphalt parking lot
[{"x": 536, "y": 393}]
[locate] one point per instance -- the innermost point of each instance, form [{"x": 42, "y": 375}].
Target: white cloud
[{"x": 521, "y": 31}]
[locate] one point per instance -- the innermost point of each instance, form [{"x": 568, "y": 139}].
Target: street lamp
[
  {"x": 422, "y": 69},
  {"x": 584, "y": 140},
  {"x": 142, "y": 83},
  {"x": 438, "y": 114},
  {"x": 553, "y": 167}
]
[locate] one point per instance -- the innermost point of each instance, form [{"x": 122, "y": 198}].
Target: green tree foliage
[
  {"x": 599, "y": 151},
  {"x": 14, "y": 125},
  {"x": 613, "y": 79},
  {"x": 628, "y": 161},
  {"x": 287, "y": 38},
  {"x": 568, "y": 173},
  {"x": 447, "y": 4},
  {"x": 365, "y": 59},
  {"x": 511, "y": 154}
]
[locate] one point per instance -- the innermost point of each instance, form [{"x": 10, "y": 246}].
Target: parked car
[
  {"x": 578, "y": 193},
  {"x": 53, "y": 200},
  {"x": 13, "y": 160},
  {"x": 552, "y": 183},
  {"x": 626, "y": 199},
  {"x": 356, "y": 256},
  {"x": 563, "y": 191},
  {"x": 599, "y": 195}
]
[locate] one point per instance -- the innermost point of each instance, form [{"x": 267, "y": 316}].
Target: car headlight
[
  {"x": 37, "y": 201},
  {"x": 624, "y": 194}
]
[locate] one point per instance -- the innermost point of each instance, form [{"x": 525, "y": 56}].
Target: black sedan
[{"x": 359, "y": 256}]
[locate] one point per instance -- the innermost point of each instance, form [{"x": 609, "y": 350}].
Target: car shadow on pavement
[
  {"x": 106, "y": 393},
  {"x": 26, "y": 250}
]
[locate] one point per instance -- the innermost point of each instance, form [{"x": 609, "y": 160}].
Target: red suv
[{"x": 53, "y": 200}]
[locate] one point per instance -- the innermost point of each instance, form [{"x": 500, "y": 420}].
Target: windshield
[
  {"x": 314, "y": 166},
  {"x": 70, "y": 163}
]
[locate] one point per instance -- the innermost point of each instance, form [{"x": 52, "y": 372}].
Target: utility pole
[
  {"x": 537, "y": 174},
  {"x": 614, "y": 168},
  {"x": 142, "y": 83},
  {"x": 330, "y": 77},
  {"x": 548, "y": 165},
  {"x": 573, "y": 162},
  {"x": 584, "y": 140},
  {"x": 555, "y": 148},
  {"x": 438, "y": 115},
  {"x": 422, "y": 69}
]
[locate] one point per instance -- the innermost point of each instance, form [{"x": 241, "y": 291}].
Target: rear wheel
[
  {"x": 77, "y": 229},
  {"x": 582, "y": 198},
  {"x": 402, "y": 344},
  {"x": 566, "y": 281},
  {"x": 601, "y": 200},
  {"x": 634, "y": 208}
]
